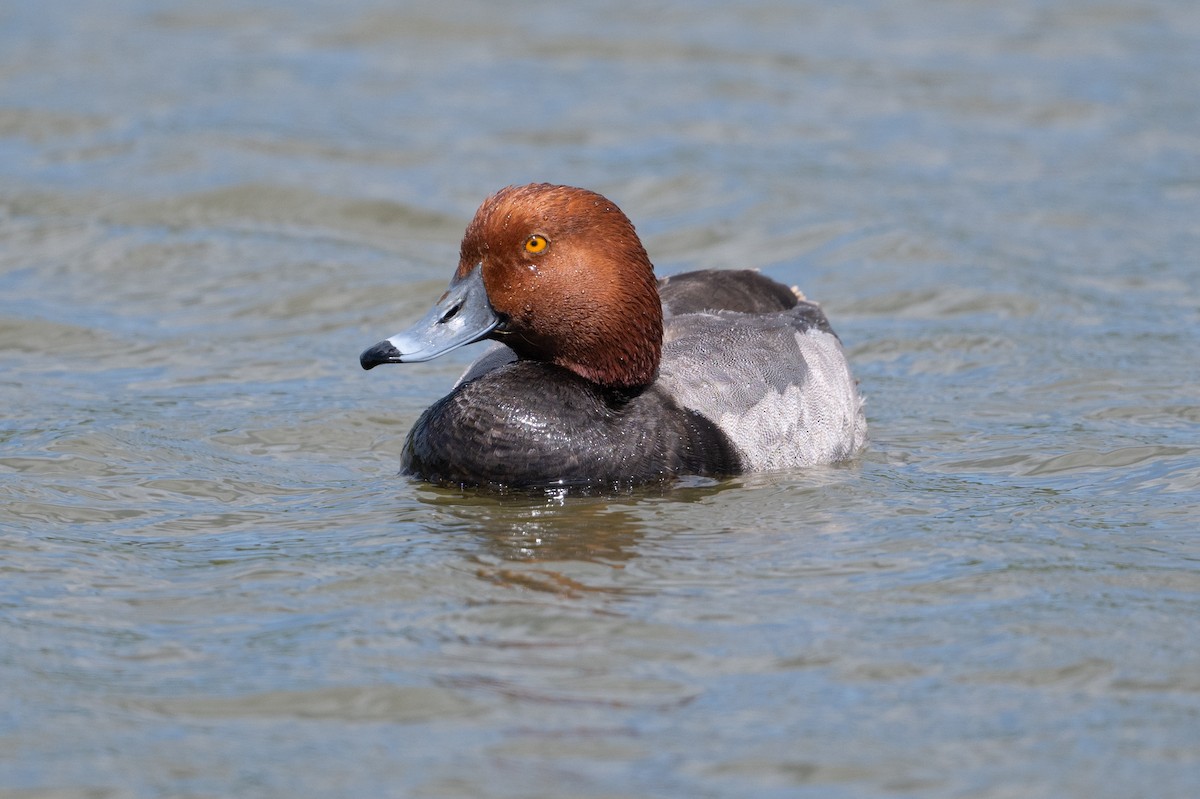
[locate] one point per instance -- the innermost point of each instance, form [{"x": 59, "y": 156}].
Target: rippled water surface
[{"x": 212, "y": 582}]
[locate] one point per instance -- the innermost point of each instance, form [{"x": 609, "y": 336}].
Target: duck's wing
[
  {"x": 742, "y": 290},
  {"x": 777, "y": 385}
]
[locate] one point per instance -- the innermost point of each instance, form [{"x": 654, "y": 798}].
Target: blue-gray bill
[{"x": 463, "y": 315}]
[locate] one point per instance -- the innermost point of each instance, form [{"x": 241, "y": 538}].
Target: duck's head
[{"x": 556, "y": 273}]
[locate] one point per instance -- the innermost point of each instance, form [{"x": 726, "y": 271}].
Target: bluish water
[{"x": 212, "y": 582}]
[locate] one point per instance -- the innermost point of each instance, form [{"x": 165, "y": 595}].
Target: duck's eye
[{"x": 536, "y": 244}]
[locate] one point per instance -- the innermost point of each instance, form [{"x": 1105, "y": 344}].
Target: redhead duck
[{"x": 604, "y": 375}]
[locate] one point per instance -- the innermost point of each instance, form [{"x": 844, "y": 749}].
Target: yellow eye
[{"x": 536, "y": 244}]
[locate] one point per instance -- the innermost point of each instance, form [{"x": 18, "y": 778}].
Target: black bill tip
[{"x": 383, "y": 352}]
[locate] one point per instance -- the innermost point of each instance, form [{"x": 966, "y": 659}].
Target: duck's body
[{"x": 608, "y": 377}]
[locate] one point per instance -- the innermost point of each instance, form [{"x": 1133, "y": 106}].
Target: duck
[{"x": 602, "y": 374}]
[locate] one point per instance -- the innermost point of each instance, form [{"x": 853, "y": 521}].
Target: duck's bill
[{"x": 462, "y": 316}]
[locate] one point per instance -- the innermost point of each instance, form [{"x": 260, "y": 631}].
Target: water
[{"x": 214, "y": 584}]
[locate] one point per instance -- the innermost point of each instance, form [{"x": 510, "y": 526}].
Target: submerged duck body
[{"x": 604, "y": 375}]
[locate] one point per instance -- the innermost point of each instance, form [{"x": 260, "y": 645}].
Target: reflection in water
[
  {"x": 555, "y": 526},
  {"x": 540, "y": 528}
]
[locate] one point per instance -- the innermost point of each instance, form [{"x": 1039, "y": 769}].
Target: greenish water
[{"x": 212, "y": 582}]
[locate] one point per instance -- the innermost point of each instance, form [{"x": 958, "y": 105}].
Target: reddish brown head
[{"x": 569, "y": 278}]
